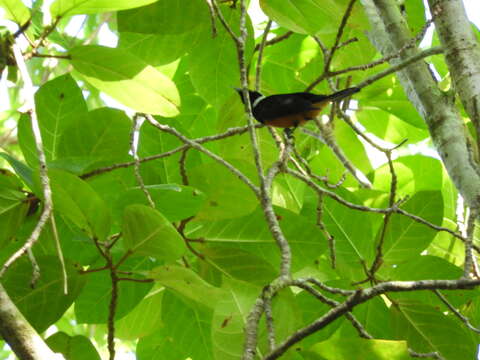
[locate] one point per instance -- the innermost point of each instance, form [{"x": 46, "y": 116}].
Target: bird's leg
[{"x": 289, "y": 133}]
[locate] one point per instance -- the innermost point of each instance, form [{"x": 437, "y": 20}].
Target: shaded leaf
[{"x": 147, "y": 232}]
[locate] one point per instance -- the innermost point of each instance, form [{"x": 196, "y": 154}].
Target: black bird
[{"x": 289, "y": 111}]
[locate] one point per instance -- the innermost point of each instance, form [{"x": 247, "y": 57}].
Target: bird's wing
[{"x": 276, "y": 106}]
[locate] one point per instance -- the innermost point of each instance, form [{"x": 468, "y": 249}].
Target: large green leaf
[
  {"x": 59, "y": 103},
  {"x": 251, "y": 234},
  {"x": 15, "y": 10},
  {"x": 231, "y": 313},
  {"x": 175, "y": 202},
  {"x": 13, "y": 209},
  {"x": 185, "y": 334},
  {"x": 353, "y": 234},
  {"x": 147, "y": 232},
  {"x": 414, "y": 173},
  {"x": 310, "y": 16},
  {"x": 427, "y": 329},
  {"x": 165, "y": 17},
  {"x": 72, "y": 7},
  {"x": 46, "y": 302},
  {"x": 102, "y": 134},
  {"x": 72, "y": 347},
  {"x": 435, "y": 268},
  {"x": 343, "y": 348},
  {"x": 144, "y": 319},
  {"x": 112, "y": 70},
  {"x": 406, "y": 238},
  {"x": 224, "y": 202},
  {"x": 76, "y": 201},
  {"x": 187, "y": 283},
  {"x": 240, "y": 265}
]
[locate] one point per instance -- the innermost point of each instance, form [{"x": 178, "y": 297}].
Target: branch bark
[
  {"x": 19, "y": 334},
  {"x": 390, "y": 33},
  {"x": 462, "y": 53}
]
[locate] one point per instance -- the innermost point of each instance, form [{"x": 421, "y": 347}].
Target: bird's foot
[{"x": 289, "y": 133}]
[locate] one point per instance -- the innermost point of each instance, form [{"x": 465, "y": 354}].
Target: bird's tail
[{"x": 339, "y": 95}]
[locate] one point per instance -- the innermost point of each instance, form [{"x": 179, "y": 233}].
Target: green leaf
[
  {"x": 388, "y": 95},
  {"x": 213, "y": 63},
  {"x": 343, "y": 348},
  {"x": 46, "y": 302},
  {"x": 102, "y": 134},
  {"x": 434, "y": 268},
  {"x": 59, "y": 103},
  {"x": 112, "y": 70},
  {"x": 147, "y": 232},
  {"x": 21, "y": 169},
  {"x": 229, "y": 319},
  {"x": 185, "y": 334},
  {"x": 231, "y": 313},
  {"x": 159, "y": 49},
  {"x": 414, "y": 173},
  {"x": 251, "y": 233},
  {"x": 71, "y": 7},
  {"x": 72, "y": 347},
  {"x": 312, "y": 309},
  {"x": 240, "y": 265},
  {"x": 13, "y": 210},
  {"x": 92, "y": 305},
  {"x": 75, "y": 200},
  {"x": 389, "y": 127},
  {"x": 175, "y": 202},
  {"x": 15, "y": 10},
  {"x": 326, "y": 163},
  {"x": 427, "y": 329},
  {"x": 165, "y": 17},
  {"x": 9, "y": 180},
  {"x": 187, "y": 283},
  {"x": 224, "y": 202},
  {"x": 405, "y": 238},
  {"x": 353, "y": 234},
  {"x": 309, "y": 16},
  {"x": 144, "y": 319}
]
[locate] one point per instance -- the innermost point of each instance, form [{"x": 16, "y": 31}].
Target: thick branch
[
  {"x": 19, "y": 334},
  {"x": 361, "y": 296},
  {"x": 390, "y": 33},
  {"x": 462, "y": 53}
]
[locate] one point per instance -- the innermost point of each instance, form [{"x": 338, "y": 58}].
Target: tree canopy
[{"x": 144, "y": 210}]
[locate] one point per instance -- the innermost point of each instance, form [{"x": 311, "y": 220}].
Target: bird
[{"x": 291, "y": 110}]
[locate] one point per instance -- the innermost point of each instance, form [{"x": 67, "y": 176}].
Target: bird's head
[{"x": 254, "y": 95}]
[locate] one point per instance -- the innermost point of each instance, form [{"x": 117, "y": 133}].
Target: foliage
[{"x": 190, "y": 269}]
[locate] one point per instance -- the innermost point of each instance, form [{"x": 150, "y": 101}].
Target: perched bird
[{"x": 289, "y": 111}]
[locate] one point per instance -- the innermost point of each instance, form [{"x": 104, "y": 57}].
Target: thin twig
[
  {"x": 267, "y": 305},
  {"x": 275, "y": 40},
  {"x": 183, "y": 170},
  {"x": 400, "y": 66},
  {"x": 60, "y": 254},
  {"x": 35, "y": 268},
  {"x": 258, "y": 73},
  {"x": 207, "y": 152},
  {"x": 212, "y": 17},
  {"x": 457, "y": 313},
  {"x": 133, "y": 148},
  {"x": 230, "y": 132},
  {"x": 44, "y": 179},
  {"x": 469, "y": 256}
]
